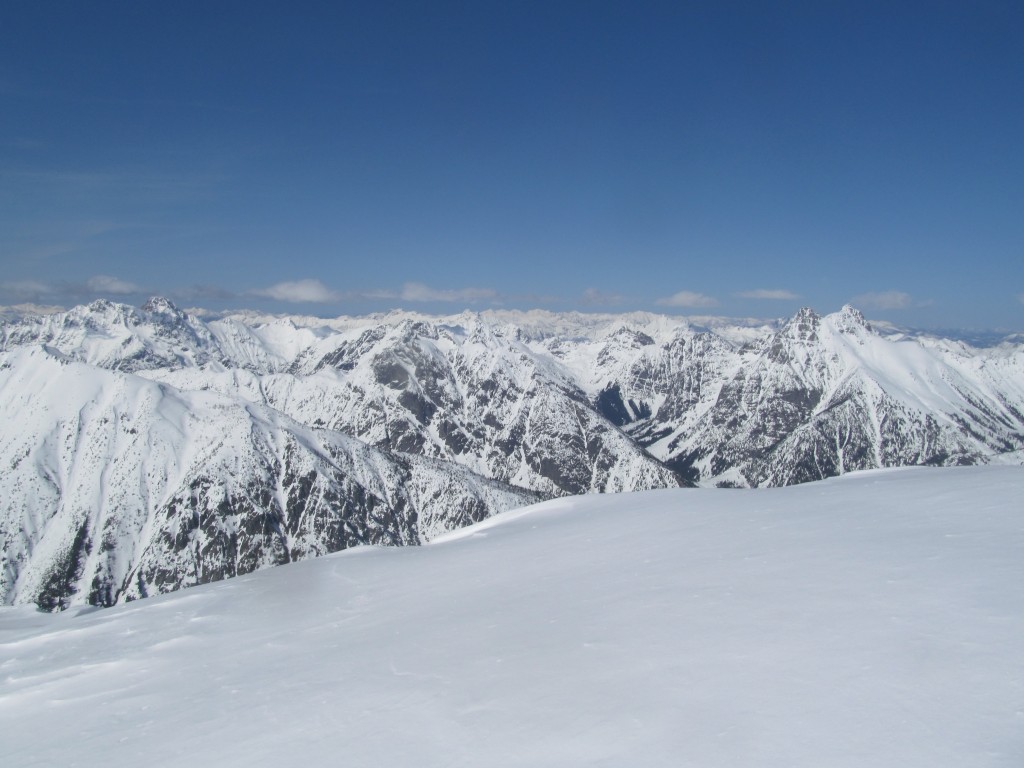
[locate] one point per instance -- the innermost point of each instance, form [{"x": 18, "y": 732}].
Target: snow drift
[{"x": 874, "y": 619}]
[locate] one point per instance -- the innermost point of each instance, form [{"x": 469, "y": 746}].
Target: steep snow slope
[
  {"x": 117, "y": 487},
  {"x": 874, "y": 619},
  {"x": 469, "y": 394}
]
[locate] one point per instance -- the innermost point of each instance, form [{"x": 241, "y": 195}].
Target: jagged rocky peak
[
  {"x": 101, "y": 306},
  {"x": 158, "y": 305},
  {"x": 803, "y": 325},
  {"x": 104, "y": 313},
  {"x": 411, "y": 330},
  {"x": 631, "y": 337},
  {"x": 851, "y": 320},
  {"x": 800, "y": 331},
  {"x": 101, "y": 310}
]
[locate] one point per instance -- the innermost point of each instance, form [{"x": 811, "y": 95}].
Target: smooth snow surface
[{"x": 871, "y": 620}]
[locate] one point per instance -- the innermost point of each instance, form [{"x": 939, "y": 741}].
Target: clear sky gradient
[{"x": 696, "y": 158}]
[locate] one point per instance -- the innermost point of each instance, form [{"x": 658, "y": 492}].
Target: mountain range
[{"x": 147, "y": 449}]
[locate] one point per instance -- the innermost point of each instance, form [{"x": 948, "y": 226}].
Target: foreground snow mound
[{"x": 874, "y": 619}]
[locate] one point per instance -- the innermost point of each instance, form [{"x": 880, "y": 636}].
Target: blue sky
[{"x": 697, "y": 158}]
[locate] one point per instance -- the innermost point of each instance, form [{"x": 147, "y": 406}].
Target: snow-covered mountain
[
  {"x": 570, "y": 403},
  {"x": 117, "y": 487},
  {"x": 468, "y": 393},
  {"x": 125, "y": 423},
  {"x": 870, "y": 620},
  {"x": 823, "y": 396}
]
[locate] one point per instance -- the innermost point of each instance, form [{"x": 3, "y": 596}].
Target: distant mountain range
[{"x": 146, "y": 449}]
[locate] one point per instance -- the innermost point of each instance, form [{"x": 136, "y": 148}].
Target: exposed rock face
[
  {"x": 116, "y": 487},
  {"x": 147, "y": 449},
  {"x": 823, "y": 396}
]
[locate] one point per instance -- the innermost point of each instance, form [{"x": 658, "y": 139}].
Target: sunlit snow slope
[{"x": 871, "y": 620}]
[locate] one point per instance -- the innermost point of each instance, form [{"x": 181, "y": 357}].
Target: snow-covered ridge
[
  {"x": 530, "y": 402},
  {"x": 874, "y": 619},
  {"x": 118, "y": 487},
  {"x": 749, "y": 403}
]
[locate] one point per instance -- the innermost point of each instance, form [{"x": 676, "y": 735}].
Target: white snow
[{"x": 871, "y": 620}]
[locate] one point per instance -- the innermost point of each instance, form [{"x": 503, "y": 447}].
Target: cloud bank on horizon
[{"x": 325, "y": 300}]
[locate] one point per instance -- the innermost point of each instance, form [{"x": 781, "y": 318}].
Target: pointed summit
[
  {"x": 849, "y": 319},
  {"x": 803, "y": 325},
  {"x": 100, "y": 305},
  {"x": 799, "y": 331},
  {"x": 160, "y": 305}
]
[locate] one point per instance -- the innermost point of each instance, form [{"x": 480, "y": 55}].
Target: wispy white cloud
[
  {"x": 768, "y": 293},
  {"x": 595, "y": 298},
  {"x": 883, "y": 300},
  {"x": 687, "y": 299},
  {"x": 420, "y": 292},
  {"x": 308, "y": 291},
  {"x": 1020, "y": 298},
  {"x": 112, "y": 285}
]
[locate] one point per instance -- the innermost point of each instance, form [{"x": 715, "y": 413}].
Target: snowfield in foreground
[{"x": 875, "y": 619}]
